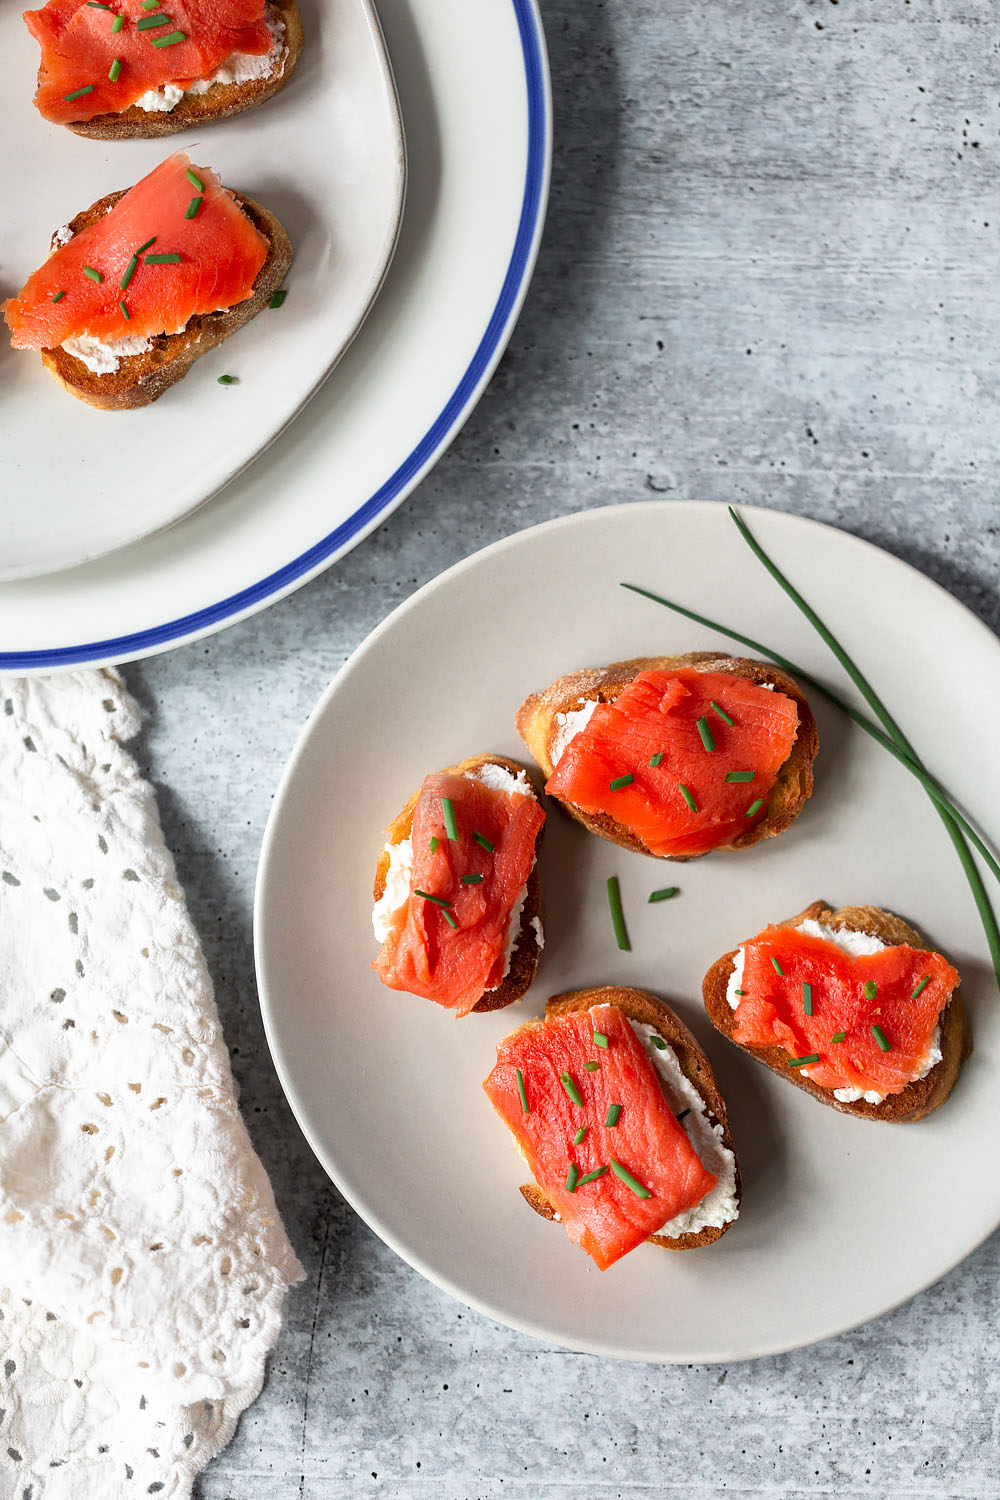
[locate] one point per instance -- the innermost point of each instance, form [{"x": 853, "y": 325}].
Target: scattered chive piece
[
  {"x": 449, "y": 919},
  {"x": 614, "y": 1110},
  {"x": 227, "y": 379},
  {"x": 871, "y": 989},
  {"x": 483, "y": 842},
  {"x": 520, "y": 1090},
  {"x": 571, "y": 1177},
  {"x": 707, "y": 738},
  {"x": 130, "y": 271},
  {"x": 839, "y": 1036},
  {"x": 115, "y": 69},
  {"x": 146, "y": 245},
  {"x": 600, "y": 1040},
  {"x": 626, "y": 1176},
  {"x": 471, "y": 879},
  {"x": 94, "y": 275},
  {"x": 617, "y": 915},
  {"x": 162, "y": 260},
  {"x": 125, "y": 312},
  {"x": 148, "y": 22},
  {"x": 592, "y": 1067},
  {"x": 664, "y": 895},
  {"x": 571, "y": 1089},
  {"x": 448, "y": 813},
  {"x": 79, "y": 93},
  {"x": 620, "y": 781},
  {"x": 776, "y": 966},
  {"x": 279, "y": 297},
  {"x": 657, "y": 759},
  {"x": 578, "y": 1138},
  {"x": 798, "y": 1062},
  {"x": 434, "y": 844},
  {"x": 191, "y": 212},
  {"x": 150, "y": 4},
  {"x": 754, "y": 807},
  {"x": 692, "y": 804},
  {"x": 118, "y": 24},
  {"x": 58, "y": 298},
  {"x": 658, "y": 1043},
  {"x": 740, "y": 992},
  {"x": 592, "y": 1176},
  {"x": 881, "y": 1038},
  {"x": 721, "y": 712},
  {"x": 426, "y": 896},
  {"x": 807, "y": 999},
  {"x": 194, "y": 180},
  {"x": 98, "y": 5},
  {"x": 683, "y": 1113},
  {"x": 926, "y": 979},
  {"x": 169, "y": 41},
  {"x": 741, "y": 776}
]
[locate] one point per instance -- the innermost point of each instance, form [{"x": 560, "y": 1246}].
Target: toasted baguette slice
[
  {"x": 649, "y": 1010},
  {"x": 536, "y": 724},
  {"x": 142, "y": 378},
  {"x": 919, "y": 1097},
  {"x": 221, "y": 100},
  {"x": 525, "y": 953}
]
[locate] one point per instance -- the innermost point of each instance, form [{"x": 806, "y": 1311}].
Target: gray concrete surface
[{"x": 770, "y": 273}]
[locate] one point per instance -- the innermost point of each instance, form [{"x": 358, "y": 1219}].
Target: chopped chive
[
  {"x": 483, "y": 842},
  {"x": 125, "y": 312},
  {"x": 169, "y": 41},
  {"x": 578, "y": 1138},
  {"x": 146, "y": 245},
  {"x": 620, "y": 781},
  {"x": 741, "y": 775},
  {"x": 721, "y": 712},
  {"x": 807, "y": 999},
  {"x": 740, "y": 992},
  {"x": 115, "y": 69},
  {"x": 520, "y": 1090},
  {"x": 227, "y": 379},
  {"x": 707, "y": 738},
  {"x": 434, "y": 844},
  {"x": 471, "y": 879},
  {"x": 571, "y": 1177},
  {"x": 94, "y": 275},
  {"x": 600, "y": 1040},
  {"x": 194, "y": 180},
  {"x": 162, "y": 260},
  {"x": 592, "y": 1067},
  {"x": 118, "y": 24},
  {"x": 881, "y": 1038},
  {"x": 592, "y": 1176},
  {"x": 88, "y": 88},
  {"x": 839, "y": 1036},
  {"x": 800, "y": 1062},
  {"x": 777, "y": 966},
  {"x": 871, "y": 989},
  {"x": 658, "y": 1043},
  {"x": 923, "y": 983},
  {"x": 449, "y": 919},
  {"x": 683, "y": 1113},
  {"x": 754, "y": 807},
  {"x": 279, "y": 297},
  {"x": 692, "y": 804},
  {"x": 571, "y": 1089},
  {"x": 191, "y": 212},
  {"x": 448, "y": 813},
  {"x": 98, "y": 5},
  {"x": 148, "y": 23},
  {"x": 626, "y": 1176},
  {"x": 438, "y": 900},
  {"x": 611, "y": 1120},
  {"x": 150, "y": 4},
  {"x": 58, "y": 298},
  {"x": 664, "y": 895},
  {"x": 617, "y": 915},
  {"x": 657, "y": 759}
]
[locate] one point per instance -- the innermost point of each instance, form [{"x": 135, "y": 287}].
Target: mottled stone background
[{"x": 770, "y": 273}]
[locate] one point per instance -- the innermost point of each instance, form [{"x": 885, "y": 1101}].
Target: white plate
[
  {"x": 75, "y": 482},
  {"x": 843, "y": 1218},
  {"x": 473, "y": 92}
]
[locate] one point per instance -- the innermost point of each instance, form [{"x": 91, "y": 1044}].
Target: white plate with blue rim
[
  {"x": 842, "y": 1218},
  {"x": 472, "y": 85}
]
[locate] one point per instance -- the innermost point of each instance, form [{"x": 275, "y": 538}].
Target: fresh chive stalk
[
  {"x": 170, "y": 259},
  {"x": 118, "y": 24},
  {"x": 483, "y": 842},
  {"x": 692, "y": 804},
  {"x": 664, "y": 895},
  {"x": 881, "y": 1038},
  {"x": 94, "y": 275},
  {"x": 871, "y": 989},
  {"x": 227, "y": 379},
  {"x": 592, "y": 1067},
  {"x": 839, "y": 1036},
  {"x": 194, "y": 180},
  {"x": 448, "y": 813},
  {"x": 657, "y": 759},
  {"x": 571, "y": 1089},
  {"x": 611, "y": 1119},
  {"x": 600, "y": 1040},
  {"x": 923, "y": 983},
  {"x": 683, "y": 1115},
  {"x": 721, "y": 712},
  {"x": 114, "y": 72},
  {"x": 191, "y": 212},
  {"x": 741, "y": 775},
  {"x": 658, "y": 1043},
  {"x": 124, "y": 312},
  {"x": 426, "y": 896},
  {"x": 449, "y": 919},
  {"x": 620, "y": 781},
  {"x": 578, "y": 1139},
  {"x": 617, "y": 915},
  {"x": 434, "y": 844},
  {"x": 592, "y": 1176},
  {"x": 150, "y": 23},
  {"x": 88, "y": 88},
  {"x": 572, "y": 1177},
  {"x": 278, "y": 299},
  {"x": 520, "y": 1090},
  {"x": 472, "y": 879},
  {"x": 625, "y": 1176},
  {"x": 704, "y": 730},
  {"x": 58, "y": 298},
  {"x": 807, "y": 999},
  {"x": 800, "y": 1062},
  {"x": 776, "y": 966},
  {"x": 754, "y": 807},
  {"x": 169, "y": 41}
]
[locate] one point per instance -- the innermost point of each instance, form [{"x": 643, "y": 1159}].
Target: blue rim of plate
[{"x": 432, "y": 443}]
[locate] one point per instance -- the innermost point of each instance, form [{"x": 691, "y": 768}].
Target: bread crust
[
  {"x": 142, "y": 378},
  {"x": 536, "y": 724},
  {"x": 526, "y": 951},
  {"x": 221, "y": 100},
  {"x": 918, "y": 1098},
  {"x": 650, "y": 1010}
]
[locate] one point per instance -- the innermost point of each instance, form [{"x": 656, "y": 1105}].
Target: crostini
[
  {"x": 131, "y": 68},
  {"x": 144, "y": 282},
  {"x": 675, "y": 756},
  {"x": 458, "y": 901},
  {"x": 615, "y": 1108},
  {"x": 850, "y": 1005}
]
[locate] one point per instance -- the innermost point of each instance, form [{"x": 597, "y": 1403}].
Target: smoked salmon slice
[
  {"x": 852, "y": 1022},
  {"x": 473, "y": 850},
  {"x": 583, "y": 1102},
  {"x": 144, "y": 268},
  {"x": 179, "y": 43},
  {"x": 684, "y": 759}
]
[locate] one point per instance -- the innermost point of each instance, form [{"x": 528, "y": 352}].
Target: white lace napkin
[{"x": 143, "y": 1265}]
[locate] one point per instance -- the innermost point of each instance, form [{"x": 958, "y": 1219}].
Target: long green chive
[
  {"x": 683, "y": 1114},
  {"x": 471, "y": 879},
  {"x": 150, "y": 4},
  {"x": 448, "y": 813},
  {"x": 146, "y": 245},
  {"x": 658, "y": 1043},
  {"x": 169, "y": 41},
  {"x": 483, "y": 842},
  {"x": 626, "y": 1176},
  {"x": 721, "y": 712},
  {"x": 191, "y": 212},
  {"x": 592, "y": 1067},
  {"x": 839, "y": 1036},
  {"x": 923, "y": 983},
  {"x": 807, "y": 999},
  {"x": 130, "y": 271},
  {"x": 620, "y": 781},
  {"x": 571, "y": 1089},
  {"x": 449, "y": 919},
  {"x": 520, "y": 1090},
  {"x": 617, "y": 915},
  {"x": 125, "y": 312},
  {"x": 434, "y": 844},
  {"x": 692, "y": 804},
  {"x": 800, "y": 1062},
  {"x": 611, "y": 1119},
  {"x": 94, "y": 275},
  {"x": 98, "y": 5},
  {"x": 148, "y": 23},
  {"x": 707, "y": 738},
  {"x": 118, "y": 24},
  {"x": 162, "y": 260},
  {"x": 580, "y": 1134},
  {"x": 600, "y": 1040},
  {"x": 58, "y": 298},
  {"x": 776, "y": 966},
  {"x": 79, "y": 93},
  {"x": 871, "y": 989},
  {"x": 881, "y": 1038},
  {"x": 657, "y": 759},
  {"x": 194, "y": 179},
  {"x": 227, "y": 379},
  {"x": 592, "y": 1176},
  {"x": 572, "y": 1177},
  {"x": 114, "y": 72},
  {"x": 664, "y": 895},
  {"x": 438, "y": 900},
  {"x": 754, "y": 807},
  {"x": 741, "y": 775},
  {"x": 278, "y": 299}
]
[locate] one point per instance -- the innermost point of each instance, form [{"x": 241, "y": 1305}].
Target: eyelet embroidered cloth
[{"x": 143, "y": 1265}]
